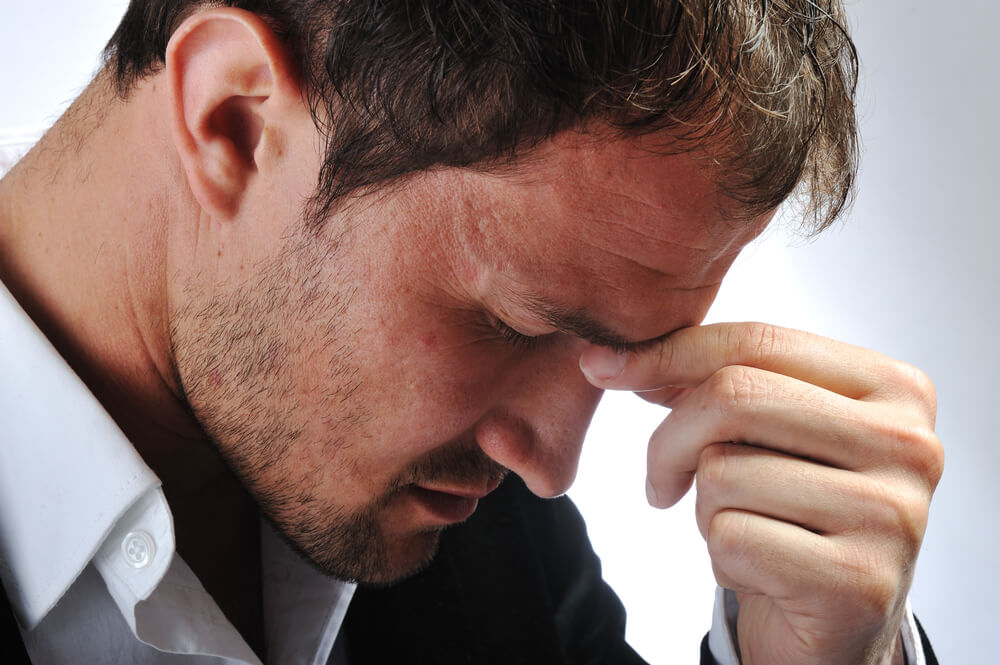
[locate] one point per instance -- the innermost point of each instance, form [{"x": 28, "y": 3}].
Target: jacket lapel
[
  {"x": 483, "y": 600},
  {"x": 11, "y": 646}
]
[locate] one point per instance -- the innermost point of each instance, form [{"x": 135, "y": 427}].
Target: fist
[{"x": 815, "y": 462}]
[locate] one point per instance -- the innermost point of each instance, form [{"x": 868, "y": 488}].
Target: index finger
[{"x": 688, "y": 356}]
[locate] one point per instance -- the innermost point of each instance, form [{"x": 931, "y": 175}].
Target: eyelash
[
  {"x": 511, "y": 337},
  {"x": 522, "y": 342}
]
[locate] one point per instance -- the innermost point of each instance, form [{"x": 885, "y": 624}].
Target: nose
[{"x": 537, "y": 429}]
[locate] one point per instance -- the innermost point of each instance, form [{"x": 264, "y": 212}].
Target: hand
[{"x": 815, "y": 464}]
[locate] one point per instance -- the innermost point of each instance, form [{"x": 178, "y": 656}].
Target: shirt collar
[
  {"x": 67, "y": 472},
  {"x": 74, "y": 490},
  {"x": 65, "y": 464}
]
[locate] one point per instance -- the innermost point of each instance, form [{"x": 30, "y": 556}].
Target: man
[{"x": 344, "y": 266}]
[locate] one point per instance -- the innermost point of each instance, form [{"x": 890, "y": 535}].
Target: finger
[
  {"x": 753, "y": 553},
  {"x": 823, "y": 500},
  {"x": 690, "y": 355},
  {"x": 747, "y": 405},
  {"x": 668, "y": 397},
  {"x": 805, "y": 574}
]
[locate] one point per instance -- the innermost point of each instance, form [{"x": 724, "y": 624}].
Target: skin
[
  {"x": 821, "y": 555},
  {"x": 366, "y": 384}
]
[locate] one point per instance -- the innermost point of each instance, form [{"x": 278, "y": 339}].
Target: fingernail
[
  {"x": 599, "y": 362},
  {"x": 651, "y": 495}
]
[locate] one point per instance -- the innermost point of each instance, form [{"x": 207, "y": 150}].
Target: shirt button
[{"x": 138, "y": 548}]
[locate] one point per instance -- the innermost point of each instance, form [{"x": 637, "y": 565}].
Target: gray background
[{"x": 911, "y": 272}]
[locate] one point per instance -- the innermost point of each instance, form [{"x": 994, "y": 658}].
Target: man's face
[{"x": 371, "y": 383}]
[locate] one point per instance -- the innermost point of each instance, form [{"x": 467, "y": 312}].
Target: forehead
[
  {"x": 630, "y": 196},
  {"x": 611, "y": 227}
]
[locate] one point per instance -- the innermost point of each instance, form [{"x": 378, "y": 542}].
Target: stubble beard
[{"x": 232, "y": 352}]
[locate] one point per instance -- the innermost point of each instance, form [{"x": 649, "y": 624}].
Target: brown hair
[{"x": 399, "y": 86}]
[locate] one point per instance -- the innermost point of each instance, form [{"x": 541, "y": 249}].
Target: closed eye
[{"x": 511, "y": 337}]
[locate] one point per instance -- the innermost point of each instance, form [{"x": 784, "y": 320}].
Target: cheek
[
  {"x": 427, "y": 341},
  {"x": 423, "y": 395},
  {"x": 436, "y": 383}
]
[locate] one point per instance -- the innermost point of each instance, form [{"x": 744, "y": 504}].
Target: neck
[{"x": 83, "y": 248}]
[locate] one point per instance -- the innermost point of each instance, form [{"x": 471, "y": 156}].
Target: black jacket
[{"x": 518, "y": 583}]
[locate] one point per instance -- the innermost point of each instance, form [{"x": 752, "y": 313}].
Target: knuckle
[
  {"x": 664, "y": 353},
  {"x": 915, "y": 384},
  {"x": 924, "y": 388},
  {"x": 928, "y": 458},
  {"x": 874, "y": 585},
  {"x": 712, "y": 464},
  {"x": 880, "y": 595},
  {"x": 901, "y": 519},
  {"x": 911, "y": 513},
  {"x": 704, "y": 510},
  {"x": 756, "y": 340},
  {"x": 915, "y": 448},
  {"x": 738, "y": 388},
  {"x": 728, "y": 533}
]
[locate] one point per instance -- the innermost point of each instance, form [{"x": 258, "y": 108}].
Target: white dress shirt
[{"x": 87, "y": 544}]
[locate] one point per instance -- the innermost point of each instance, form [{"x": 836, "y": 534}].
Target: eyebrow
[{"x": 578, "y": 323}]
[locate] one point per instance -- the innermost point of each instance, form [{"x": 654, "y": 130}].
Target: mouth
[{"x": 451, "y": 504}]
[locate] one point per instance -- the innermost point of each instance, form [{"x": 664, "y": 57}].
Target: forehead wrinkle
[
  {"x": 707, "y": 268},
  {"x": 658, "y": 219},
  {"x": 604, "y": 248},
  {"x": 655, "y": 239}
]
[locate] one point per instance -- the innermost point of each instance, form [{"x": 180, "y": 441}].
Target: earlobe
[{"x": 227, "y": 75}]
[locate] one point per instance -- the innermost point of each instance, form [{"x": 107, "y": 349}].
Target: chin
[
  {"x": 403, "y": 558},
  {"x": 362, "y": 548},
  {"x": 377, "y": 562}
]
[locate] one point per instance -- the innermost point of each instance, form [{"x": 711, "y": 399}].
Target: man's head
[{"x": 411, "y": 218}]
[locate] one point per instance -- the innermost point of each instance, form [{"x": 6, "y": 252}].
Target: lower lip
[{"x": 443, "y": 507}]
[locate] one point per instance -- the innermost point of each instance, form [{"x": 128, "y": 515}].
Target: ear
[{"x": 231, "y": 87}]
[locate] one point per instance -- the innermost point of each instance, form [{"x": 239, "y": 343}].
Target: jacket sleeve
[
  {"x": 929, "y": 657},
  {"x": 518, "y": 583}
]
